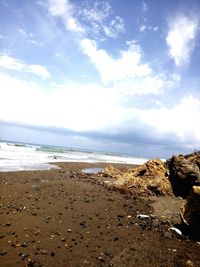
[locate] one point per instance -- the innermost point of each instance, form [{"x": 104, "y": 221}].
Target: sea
[{"x": 21, "y": 156}]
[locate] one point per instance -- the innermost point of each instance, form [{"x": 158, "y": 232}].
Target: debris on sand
[{"x": 151, "y": 178}]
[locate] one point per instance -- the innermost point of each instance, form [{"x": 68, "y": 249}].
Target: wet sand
[{"x": 67, "y": 218}]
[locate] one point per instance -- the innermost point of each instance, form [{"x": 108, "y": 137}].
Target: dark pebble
[
  {"x": 101, "y": 259},
  {"x": 3, "y": 253},
  {"x": 24, "y": 244},
  {"x": 52, "y": 254},
  {"x": 31, "y": 263},
  {"x": 83, "y": 224}
]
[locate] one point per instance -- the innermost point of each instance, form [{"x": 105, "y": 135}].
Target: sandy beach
[{"x": 66, "y": 218}]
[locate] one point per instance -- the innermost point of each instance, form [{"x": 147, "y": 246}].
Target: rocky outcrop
[
  {"x": 150, "y": 178},
  {"x": 191, "y": 211},
  {"x": 184, "y": 173},
  {"x": 194, "y": 158}
]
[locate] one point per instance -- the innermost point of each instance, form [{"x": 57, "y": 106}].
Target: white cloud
[
  {"x": 73, "y": 25},
  {"x": 94, "y": 108},
  {"x": 182, "y": 120},
  {"x": 98, "y": 12},
  {"x": 144, "y": 6},
  {"x": 143, "y": 28},
  {"x": 72, "y": 106},
  {"x": 34, "y": 42},
  {"x": 64, "y": 9},
  {"x": 127, "y": 65},
  {"x": 22, "y": 31},
  {"x": 98, "y": 18},
  {"x": 87, "y": 19},
  {"x": 126, "y": 74},
  {"x": 116, "y": 26},
  {"x": 59, "y": 7},
  {"x": 140, "y": 86},
  {"x": 180, "y": 39},
  {"x": 38, "y": 70},
  {"x": 12, "y": 63}
]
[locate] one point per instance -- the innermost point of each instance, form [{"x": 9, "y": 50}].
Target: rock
[
  {"x": 3, "y": 253},
  {"x": 23, "y": 256},
  {"x": 101, "y": 259},
  {"x": 110, "y": 171},
  {"x": 151, "y": 178},
  {"x": 24, "y": 244},
  {"x": 83, "y": 224},
  {"x": 43, "y": 252},
  {"x": 191, "y": 212},
  {"x": 189, "y": 263},
  {"x": 168, "y": 235},
  {"x": 184, "y": 173},
  {"x": 31, "y": 263},
  {"x": 194, "y": 158},
  {"x": 37, "y": 232}
]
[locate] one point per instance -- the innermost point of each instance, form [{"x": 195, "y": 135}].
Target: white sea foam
[{"x": 16, "y": 157}]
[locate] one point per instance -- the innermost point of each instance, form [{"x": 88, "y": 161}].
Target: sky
[{"x": 115, "y": 75}]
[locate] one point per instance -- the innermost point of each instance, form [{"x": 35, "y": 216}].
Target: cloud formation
[
  {"x": 12, "y": 63},
  {"x": 96, "y": 19},
  {"x": 97, "y": 111},
  {"x": 127, "y": 65},
  {"x": 180, "y": 39},
  {"x": 126, "y": 73}
]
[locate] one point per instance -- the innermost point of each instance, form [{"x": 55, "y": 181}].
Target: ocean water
[{"x": 18, "y": 156}]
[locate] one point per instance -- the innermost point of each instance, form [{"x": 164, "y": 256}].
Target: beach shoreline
[{"x": 64, "y": 217}]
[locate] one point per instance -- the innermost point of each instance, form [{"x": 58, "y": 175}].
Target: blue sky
[{"x": 116, "y": 75}]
